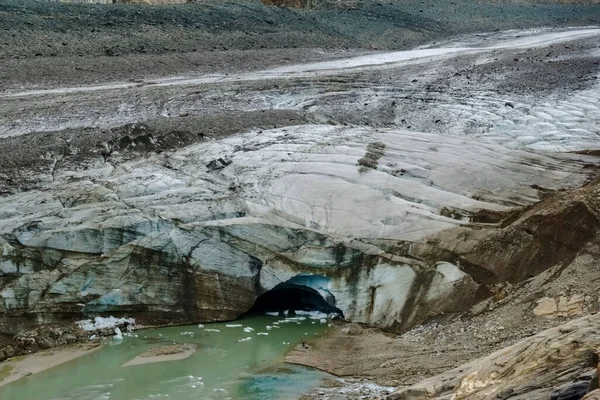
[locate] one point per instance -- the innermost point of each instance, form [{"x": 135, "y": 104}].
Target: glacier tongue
[{"x": 389, "y": 159}]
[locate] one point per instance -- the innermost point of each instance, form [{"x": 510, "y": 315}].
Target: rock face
[
  {"x": 389, "y": 224},
  {"x": 554, "y": 364}
]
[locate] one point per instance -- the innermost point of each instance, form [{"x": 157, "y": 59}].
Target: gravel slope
[{"x": 43, "y": 42}]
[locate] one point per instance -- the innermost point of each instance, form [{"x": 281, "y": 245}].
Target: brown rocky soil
[
  {"x": 558, "y": 363},
  {"x": 551, "y": 232}
]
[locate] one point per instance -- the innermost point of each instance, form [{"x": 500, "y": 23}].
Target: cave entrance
[{"x": 294, "y": 295}]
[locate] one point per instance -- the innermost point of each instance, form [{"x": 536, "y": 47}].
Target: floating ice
[
  {"x": 118, "y": 336},
  {"x": 262, "y": 333},
  {"x": 212, "y": 330},
  {"x": 200, "y": 326},
  {"x": 248, "y": 329},
  {"x": 187, "y": 333},
  {"x": 245, "y": 339},
  {"x": 318, "y": 314},
  {"x": 234, "y": 325}
]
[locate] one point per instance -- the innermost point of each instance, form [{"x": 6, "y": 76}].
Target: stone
[
  {"x": 69, "y": 338},
  {"x": 9, "y": 351},
  {"x": 546, "y": 306},
  {"x": 569, "y": 391},
  {"x": 593, "y": 395},
  {"x": 352, "y": 329},
  {"x": 46, "y": 343},
  {"x": 575, "y": 304}
]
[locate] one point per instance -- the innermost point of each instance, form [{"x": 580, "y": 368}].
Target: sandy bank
[
  {"x": 18, "y": 367},
  {"x": 163, "y": 353}
]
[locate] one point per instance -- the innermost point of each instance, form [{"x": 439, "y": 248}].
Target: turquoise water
[{"x": 222, "y": 367}]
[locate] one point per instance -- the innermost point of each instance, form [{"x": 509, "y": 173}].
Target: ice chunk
[
  {"x": 104, "y": 323},
  {"x": 118, "y": 336}
]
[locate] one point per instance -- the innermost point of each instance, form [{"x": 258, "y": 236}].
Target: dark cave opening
[{"x": 293, "y": 297}]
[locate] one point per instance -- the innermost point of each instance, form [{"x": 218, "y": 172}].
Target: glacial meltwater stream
[{"x": 235, "y": 360}]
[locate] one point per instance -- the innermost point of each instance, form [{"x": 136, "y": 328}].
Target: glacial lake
[{"x": 226, "y": 365}]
